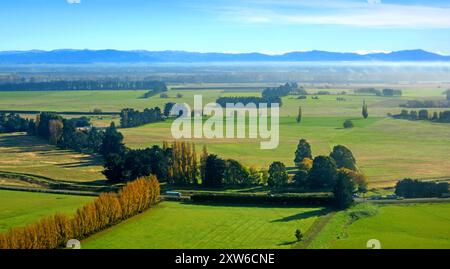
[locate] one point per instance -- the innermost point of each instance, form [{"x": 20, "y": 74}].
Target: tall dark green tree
[
  {"x": 114, "y": 169},
  {"x": 214, "y": 171},
  {"x": 235, "y": 173},
  {"x": 112, "y": 141},
  {"x": 343, "y": 157},
  {"x": 277, "y": 175},
  {"x": 299, "y": 115},
  {"x": 323, "y": 173},
  {"x": 365, "y": 112},
  {"x": 303, "y": 151},
  {"x": 343, "y": 191}
]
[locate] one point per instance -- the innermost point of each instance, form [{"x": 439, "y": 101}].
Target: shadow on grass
[
  {"x": 287, "y": 243},
  {"x": 304, "y": 215}
]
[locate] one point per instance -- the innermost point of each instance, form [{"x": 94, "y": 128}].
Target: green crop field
[
  {"x": 29, "y": 154},
  {"x": 207, "y": 226},
  {"x": 21, "y": 208},
  {"x": 395, "y": 226}
]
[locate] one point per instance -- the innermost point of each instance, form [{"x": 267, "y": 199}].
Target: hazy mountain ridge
[{"x": 70, "y": 56}]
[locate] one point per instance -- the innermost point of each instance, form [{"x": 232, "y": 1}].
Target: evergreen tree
[
  {"x": 303, "y": 151},
  {"x": 343, "y": 157},
  {"x": 365, "y": 112},
  {"x": 323, "y": 173},
  {"x": 214, "y": 171},
  {"x": 343, "y": 191},
  {"x": 277, "y": 175},
  {"x": 235, "y": 173},
  {"x": 112, "y": 141},
  {"x": 299, "y": 115}
]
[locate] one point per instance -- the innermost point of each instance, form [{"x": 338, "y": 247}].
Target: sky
[{"x": 235, "y": 26}]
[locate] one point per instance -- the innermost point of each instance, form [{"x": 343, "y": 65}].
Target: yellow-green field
[
  {"x": 177, "y": 225},
  {"x": 29, "y": 154},
  {"x": 21, "y": 208},
  {"x": 414, "y": 226}
]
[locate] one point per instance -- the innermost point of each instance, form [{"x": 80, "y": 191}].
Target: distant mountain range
[{"x": 141, "y": 56}]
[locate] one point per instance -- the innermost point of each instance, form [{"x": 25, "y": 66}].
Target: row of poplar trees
[{"x": 105, "y": 211}]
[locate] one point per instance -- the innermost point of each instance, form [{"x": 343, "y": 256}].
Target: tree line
[
  {"x": 337, "y": 172},
  {"x": 424, "y": 114},
  {"x": 132, "y": 118},
  {"x": 268, "y": 95},
  {"x": 106, "y": 210},
  {"x": 73, "y": 85},
  {"x": 12, "y": 122},
  {"x": 410, "y": 188},
  {"x": 178, "y": 163},
  {"x": 374, "y": 91}
]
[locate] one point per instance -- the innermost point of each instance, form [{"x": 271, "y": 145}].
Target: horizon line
[{"x": 359, "y": 52}]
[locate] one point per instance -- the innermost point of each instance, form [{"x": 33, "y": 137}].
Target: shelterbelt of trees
[
  {"x": 374, "y": 91},
  {"x": 268, "y": 95},
  {"x": 74, "y": 85},
  {"x": 10, "y": 123},
  {"x": 424, "y": 114},
  {"x": 133, "y": 118},
  {"x": 106, "y": 210},
  {"x": 412, "y": 188}
]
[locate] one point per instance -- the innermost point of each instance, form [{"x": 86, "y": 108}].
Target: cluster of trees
[
  {"x": 132, "y": 118},
  {"x": 155, "y": 90},
  {"x": 223, "y": 101},
  {"x": 423, "y": 114},
  {"x": 392, "y": 92},
  {"x": 73, "y": 85},
  {"x": 179, "y": 164},
  {"x": 176, "y": 164},
  {"x": 427, "y": 104},
  {"x": 10, "y": 123},
  {"x": 336, "y": 171},
  {"x": 280, "y": 91},
  {"x": 218, "y": 172},
  {"x": 105, "y": 211},
  {"x": 269, "y": 95},
  {"x": 182, "y": 166},
  {"x": 384, "y": 92},
  {"x": 75, "y": 134},
  {"x": 410, "y": 188}
]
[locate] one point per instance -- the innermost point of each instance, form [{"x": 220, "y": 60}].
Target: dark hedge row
[{"x": 322, "y": 199}]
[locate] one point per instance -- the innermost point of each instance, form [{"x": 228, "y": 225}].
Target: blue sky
[{"x": 269, "y": 26}]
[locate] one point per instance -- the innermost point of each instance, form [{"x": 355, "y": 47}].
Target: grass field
[
  {"x": 395, "y": 226},
  {"x": 207, "y": 226},
  {"x": 28, "y": 154},
  {"x": 386, "y": 149},
  {"x": 21, "y": 208}
]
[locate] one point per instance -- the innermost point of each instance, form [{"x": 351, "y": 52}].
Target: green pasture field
[
  {"x": 28, "y": 154},
  {"x": 414, "y": 226},
  {"x": 386, "y": 149},
  {"x": 207, "y": 226},
  {"x": 22, "y": 208}
]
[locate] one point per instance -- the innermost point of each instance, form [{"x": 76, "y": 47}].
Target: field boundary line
[
  {"x": 314, "y": 230},
  {"x": 66, "y": 192}
]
